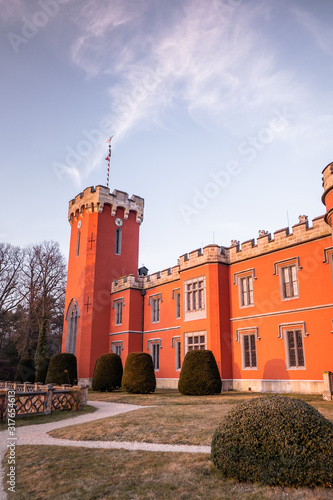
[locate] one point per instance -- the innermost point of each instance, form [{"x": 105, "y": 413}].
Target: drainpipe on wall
[{"x": 143, "y": 293}]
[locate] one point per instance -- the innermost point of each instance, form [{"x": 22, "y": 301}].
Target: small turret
[{"x": 327, "y": 197}]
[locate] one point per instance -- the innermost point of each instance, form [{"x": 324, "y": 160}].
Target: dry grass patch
[
  {"x": 175, "y": 418},
  {"x": 173, "y": 424},
  {"x": 54, "y": 472}
]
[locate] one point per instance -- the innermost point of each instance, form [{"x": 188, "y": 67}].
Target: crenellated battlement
[
  {"x": 301, "y": 232},
  {"x": 211, "y": 254},
  {"x": 93, "y": 199}
]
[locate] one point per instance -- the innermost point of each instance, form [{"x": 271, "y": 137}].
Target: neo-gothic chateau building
[{"x": 265, "y": 308}]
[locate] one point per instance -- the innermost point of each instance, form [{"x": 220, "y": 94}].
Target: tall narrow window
[
  {"x": 177, "y": 305},
  {"x": 249, "y": 351},
  {"x": 118, "y": 313},
  {"x": 295, "y": 349},
  {"x": 72, "y": 315},
  {"x": 246, "y": 291},
  {"x": 289, "y": 282},
  {"x": 118, "y": 242},
  {"x": 178, "y": 354},
  {"x": 78, "y": 236},
  {"x": 155, "y": 310},
  {"x": 155, "y": 354}
]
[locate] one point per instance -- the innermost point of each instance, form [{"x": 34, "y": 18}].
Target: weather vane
[{"x": 108, "y": 158}]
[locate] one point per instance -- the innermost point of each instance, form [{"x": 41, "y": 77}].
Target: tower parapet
[
  {"x": 93, "y": 199},
  {"x": 327, "y": 197}
]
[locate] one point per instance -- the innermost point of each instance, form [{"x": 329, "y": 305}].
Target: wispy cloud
[
  {"x": 321, "y": 34},
  {"x": 207, "y": 56}
]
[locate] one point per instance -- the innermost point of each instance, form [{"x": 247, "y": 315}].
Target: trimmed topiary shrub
[
  {"x": 25, "y": 371},
  {"x": 108, "y": 372},
  {"x": 139, "y": 375},
  {"x": 199, "y": 375},
  {"x": 62, "y": 369},
  {"x": 275, "y": 441},
  {"x": 42, "y": 370}
]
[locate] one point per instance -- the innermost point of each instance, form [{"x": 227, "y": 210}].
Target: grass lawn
[
  {"x": 55, "y": 416},
  {"x": 174, "y": 418},
  {"x": 52, "y": 472}
]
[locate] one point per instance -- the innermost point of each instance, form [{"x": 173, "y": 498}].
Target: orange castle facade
[{"x": 264, "y": 308}]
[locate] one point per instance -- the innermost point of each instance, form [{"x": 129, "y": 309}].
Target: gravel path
[{"x": 38, "y": 435}]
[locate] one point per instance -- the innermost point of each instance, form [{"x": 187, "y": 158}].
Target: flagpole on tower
[{"x": 108, "y": 158}]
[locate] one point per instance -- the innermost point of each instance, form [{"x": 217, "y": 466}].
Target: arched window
[
  {"x": 71, "y": 318},
  {"x": 117, "y": 249}
]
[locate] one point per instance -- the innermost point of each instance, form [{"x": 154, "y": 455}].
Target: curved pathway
[{"x": 38, "y": 435}]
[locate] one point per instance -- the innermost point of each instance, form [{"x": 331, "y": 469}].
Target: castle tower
[
  {"x": 104, "y": 246},
  {"x": 327, "y": 197}
]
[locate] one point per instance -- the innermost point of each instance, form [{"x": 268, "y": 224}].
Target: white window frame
[
  {"x": 155, "y": 302},
  {"x": 195, "y": 341},
  {"x": 117, "y": 347},
  {"x": 246, "y": 297},
  {"x": 176, "y": 345},
  {"x": 154, "y": 346},
  {"x": 287, "y": 270},
  {"x": 118, "y": 305},
  {"x": 195, "y": 298},
  {"x": 294, "y": 333},
  {"x": 246, "y": 339},
  {"x": 176, "y": 297}
]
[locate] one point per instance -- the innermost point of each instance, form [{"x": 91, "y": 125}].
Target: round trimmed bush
[
  {"x": 107, "y": 373},
  {"x": 25, "y": 371},
  {"x": 139, "y": 375},
  {"x": 42, "y": 370},
  {"x": 200, "y": 375},
  {"x": 275, "y": 440},
  {"x": 62, "y": 369}
]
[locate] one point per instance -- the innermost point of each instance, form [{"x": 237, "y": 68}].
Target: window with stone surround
[
  {"x": 176, "y": 297},
  {"x": 154, "y": 346},
  {"x": 195, "y": 341},
  {"x": 295, "y": 349},
  {"x": 118, "y": 305},
  {"x": 293, "y": 335},
  {"x": 246, "y": 291},
  {"x": 249, "y": 351},
  {"x": 195, "y": 298},
  {"x": 176, "y": 345},
  {"x": 117, "y": 347},
  {"x": 155, "y": 301},
  {"x": 287, "y": 272}
]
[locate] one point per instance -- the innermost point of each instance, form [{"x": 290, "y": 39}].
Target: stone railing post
[
  {"x": 49, "y": 397},
  {"x": 4, "y": 405},
  {"x": 328, "y": 389}
]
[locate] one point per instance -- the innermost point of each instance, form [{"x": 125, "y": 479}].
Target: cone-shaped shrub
[
  {"x": 108, "y": 372},
  {"x": 199, "y": 375},
  {"x": 275, "y": 441},
  {"x": 62, "y": 369},
  {"x": 139, "y": 375},
  {"x": 42, "y": 370},
  {"x": 25, "y": 371}
]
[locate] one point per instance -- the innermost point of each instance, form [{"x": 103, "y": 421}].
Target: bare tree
[
  {"x": 52, "y": 288},
  {"x": 11, "y": 260}
]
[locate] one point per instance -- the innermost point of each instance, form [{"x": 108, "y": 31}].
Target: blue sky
[{"x": 221, "y": 111}]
